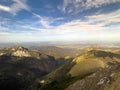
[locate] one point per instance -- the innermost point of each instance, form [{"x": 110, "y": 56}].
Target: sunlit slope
[
  {"x": 91, "y": 61},
  {"x": 88, "y": 62}
]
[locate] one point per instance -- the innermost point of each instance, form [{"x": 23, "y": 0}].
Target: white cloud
[
  {"x": 2, "y": 29},
  {"x": 17, "y": 6},
  {"x": 99, "y": 3},
  {"x": 4, "y": 33},
  {"x": 46, "y": 21},
  {"x": 4, "y": 8},
  {"x": 75, "y": 26},
  {"x": 105, "y": 19},
  {"x": 70, "y": 6},
  {"x": 94, "y": 23},
  {"x": 94, "y": 27}
]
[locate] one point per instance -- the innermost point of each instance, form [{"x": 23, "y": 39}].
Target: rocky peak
[
  {"x": 20, "y": 51},
  {"x": 17, "y": 51},
  {"x": 19, "y": 48},
  {"x": 15, "y": 48},
  {"x": 1, "y": 54}
]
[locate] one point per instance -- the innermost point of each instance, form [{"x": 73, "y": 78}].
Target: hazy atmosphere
[{"x": 59, "y": 20}]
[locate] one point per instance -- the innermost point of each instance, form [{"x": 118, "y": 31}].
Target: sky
[{"x": 59, "y": 20}]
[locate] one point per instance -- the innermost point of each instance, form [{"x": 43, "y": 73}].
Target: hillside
[
  {"x": 92, "y": 60},
  {"x": 82, "y": 66},
  {"x": 62, "y": 55},
  {"x": 104, "y": 79},
  {"x": 57, "y": 52},
  {"x": 20, "y": 67}
]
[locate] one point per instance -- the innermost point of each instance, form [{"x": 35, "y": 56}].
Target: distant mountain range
[{"x": 55, "y": 51}]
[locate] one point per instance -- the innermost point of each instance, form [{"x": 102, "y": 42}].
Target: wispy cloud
[
  {"x": 17, "y": 6},
  {"x": 5, "y": 8},
  {"x": 39, "y": 27},
  {"x": 91, "y": 23},
  {"x": 70, "y": 6},
  {"x": 113, "y": 17},
  {"x": 46, "y": 21}
]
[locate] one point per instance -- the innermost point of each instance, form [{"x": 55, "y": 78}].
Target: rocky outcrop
[
  {"x": 21, "y": 53},
  {"x": 104, "y": 79},
  {"x": 30, "y": 59},
  {"x": 1, "y": 54}
]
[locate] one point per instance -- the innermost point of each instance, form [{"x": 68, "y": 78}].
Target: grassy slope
[
  {"x": 86, "y": 66},
  {"x": 63, "y": 84},
  {"x": 87, "y": 63}
]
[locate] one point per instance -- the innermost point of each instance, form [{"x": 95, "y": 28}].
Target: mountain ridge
[{"x": 85, "y": 64}]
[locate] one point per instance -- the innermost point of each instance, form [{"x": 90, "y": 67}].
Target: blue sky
[{"x": 59, "y": 20}]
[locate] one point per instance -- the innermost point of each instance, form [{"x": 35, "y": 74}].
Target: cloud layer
[
  {"x": 76, "y": 6},
  {"x": 100, "y": 25},
  {"x": 17, "y": 6}
]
